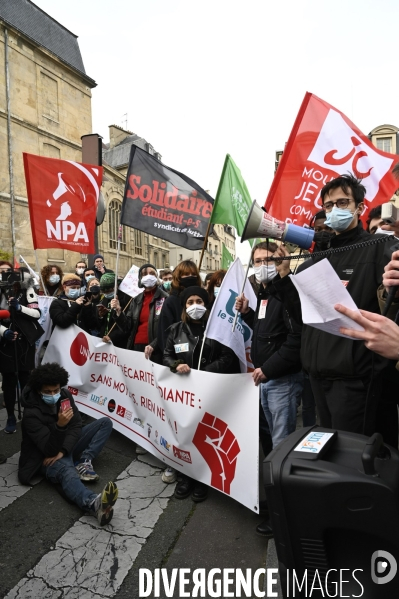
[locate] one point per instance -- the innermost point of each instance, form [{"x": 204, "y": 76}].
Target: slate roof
[
  {"x": 119, "y": 155},
  {"x": 34, "y": 23}
]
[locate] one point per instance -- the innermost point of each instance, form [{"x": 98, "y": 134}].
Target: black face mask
[
  {"x": 188, "y": 281},
  {"x": 95, "y": 289},
  {"x": 322, "y": 240}
]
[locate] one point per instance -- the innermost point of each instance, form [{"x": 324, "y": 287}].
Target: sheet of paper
[
  {"x": 129, "y": 284},
  {"x": 320, "y": 288}
]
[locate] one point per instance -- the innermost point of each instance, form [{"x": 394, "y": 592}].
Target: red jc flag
[
  {"x": 324, "y": 144},
  {"x": 63, "y": 197}
]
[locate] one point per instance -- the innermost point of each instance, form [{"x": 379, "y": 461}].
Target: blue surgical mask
[
  {"x": 167, "y": 285},
  {"x": 109, "y": 295},
  {"x": 54, "y": 279},
  {"x": 339, "y": 219},
  {"x": 89, "y": 278},
  {"x": 51, "y": 400},
  {"x": 73, "y": 293},
  {"x": 216, "y": 291}
]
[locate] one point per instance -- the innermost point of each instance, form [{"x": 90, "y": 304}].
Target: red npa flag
[
  {"x": 324, "y": 144},
  {"x": 63, "y": 197}
]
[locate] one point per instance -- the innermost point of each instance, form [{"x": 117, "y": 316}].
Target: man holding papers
[{"x": 346, "y": 378}]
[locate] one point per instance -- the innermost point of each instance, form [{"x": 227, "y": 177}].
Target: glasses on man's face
[
  {"x": 341, "y": 203},
  {"x": 260, "y": 261}
]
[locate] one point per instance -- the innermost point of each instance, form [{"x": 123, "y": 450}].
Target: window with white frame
[{"x": 384, "y": 144}]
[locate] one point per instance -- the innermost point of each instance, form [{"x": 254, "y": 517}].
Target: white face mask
[
  {"x": 196, "y": 311},
  {"x": 216, "y": 290},
  {"x": 80, "y": 271},
  {"x": 265, "y": 272},
  {"x": 149, "y": 281},
  {"x": 383, "y": 232}
]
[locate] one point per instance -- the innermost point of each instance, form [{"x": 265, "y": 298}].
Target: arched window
[{"x": 114, "y": 217}]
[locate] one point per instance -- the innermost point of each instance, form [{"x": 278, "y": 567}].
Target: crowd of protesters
[{"x": 343, "y": 383}]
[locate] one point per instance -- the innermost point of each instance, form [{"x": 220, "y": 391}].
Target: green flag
[
  {"x": 227, "y": 258},
  {"x": 232, "y": 202}
]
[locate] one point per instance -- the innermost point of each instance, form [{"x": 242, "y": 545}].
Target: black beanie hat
[
  {"x": 195, "y": 290},
  {"x": 146, "y": 266}
]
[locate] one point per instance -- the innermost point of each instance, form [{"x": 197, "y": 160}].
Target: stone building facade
[{"x": 45, "y": 107}]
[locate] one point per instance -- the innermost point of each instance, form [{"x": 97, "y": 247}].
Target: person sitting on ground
[
  {"x": 51, "y": 275},
  {"x": 183, "y": 352},
  {"x": 55, "y": 445}
]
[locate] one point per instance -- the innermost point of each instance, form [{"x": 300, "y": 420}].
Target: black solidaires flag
[{"x": 164, "y": 202}]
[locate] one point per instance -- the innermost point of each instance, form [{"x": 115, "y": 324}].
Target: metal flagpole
[
  {"x": 40, "y": 273},
  {"x": 205, "y": 244},
  {"x": 117, "y": 260}
]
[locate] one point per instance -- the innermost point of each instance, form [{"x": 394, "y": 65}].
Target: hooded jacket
[{"x": 41, "y": 437}]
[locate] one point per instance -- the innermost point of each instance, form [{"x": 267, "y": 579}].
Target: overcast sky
[{"x": 202, "y": 79}]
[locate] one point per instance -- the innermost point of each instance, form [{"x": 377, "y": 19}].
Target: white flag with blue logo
[{"x": 223, "y": 313}]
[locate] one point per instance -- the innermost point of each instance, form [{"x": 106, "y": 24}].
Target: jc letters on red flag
[
  {"x": 63, "y": 197},
  {"x": 324, "y": 144}
]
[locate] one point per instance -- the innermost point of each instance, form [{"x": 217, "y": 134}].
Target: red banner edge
[{"x": 287, "y": 151}]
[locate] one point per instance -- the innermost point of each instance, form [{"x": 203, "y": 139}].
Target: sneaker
[
  {"x": 169, "y": 475},
  {"x": 86, "y": 471},
  {"x": 103, "y": 504},
  {"x": 11, "y": 426},
  {"x": 140, "y": 450}
]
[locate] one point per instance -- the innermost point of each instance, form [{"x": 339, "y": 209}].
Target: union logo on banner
[
  {"x": 324, "y": 144},
  {"x": 63, "y": 197}
]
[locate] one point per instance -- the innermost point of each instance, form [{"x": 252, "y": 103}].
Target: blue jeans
[
  {"x": 63, "y": 471},
  {"x": 279, "y": 398}
]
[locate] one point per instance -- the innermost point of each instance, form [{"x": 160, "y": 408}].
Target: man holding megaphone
[{"x": 346, "y": 380}]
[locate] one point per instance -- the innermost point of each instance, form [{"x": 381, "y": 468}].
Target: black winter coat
[
  {"x": 25, "y": 322},
  {"x": 41, "y": 437},
  {"x": 130, "y": 319},
  {"x": 276, "y": 340},
  {"x": 216, "y": 357},
  {"x": 64, "y": 312},
  {"x": 329, "y": 356},
  {"x": 171, "y": 313}
]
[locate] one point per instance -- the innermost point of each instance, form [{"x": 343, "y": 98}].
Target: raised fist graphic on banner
[{"x": 219, "y": 448}]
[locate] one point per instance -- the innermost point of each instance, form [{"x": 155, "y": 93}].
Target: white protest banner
[
  {"x": 203, "y": 424},
  {"x": 129, "y": 284},
  {"x": 45, "y": 321},
  {"x": 223, "y": 313}
]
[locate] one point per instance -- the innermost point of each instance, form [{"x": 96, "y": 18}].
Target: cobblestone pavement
[{"x": 50, "y": 550}]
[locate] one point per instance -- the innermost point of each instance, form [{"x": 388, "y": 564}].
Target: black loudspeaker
[{"x": 333, "y": 499}]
